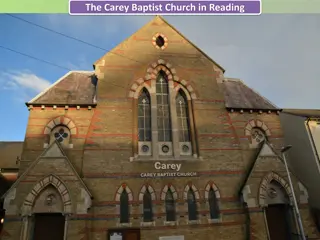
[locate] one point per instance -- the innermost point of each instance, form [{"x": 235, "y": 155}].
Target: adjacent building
[
  {"x": 302, "y": 130},
  {"x": 10, "y": 154},
  {"x": 155, "y": 143}
]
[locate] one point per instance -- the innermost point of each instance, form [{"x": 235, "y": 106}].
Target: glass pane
[
  {"x": 141, "y": 135},
  {"x": 148, "y": 135},
  {"x": 167, "y": 136},
  {"x": 124, "y": 207},
  {"x": 192, "y": 206},
  {"x": 213, "y": 204},
  {"x": 140, "y": 122},
  {"x": 147, "y": 122}
]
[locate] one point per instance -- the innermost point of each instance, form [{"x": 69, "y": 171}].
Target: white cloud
[
  {"x": 23, "y": 84},
  {"x": 24, "y": 79}
]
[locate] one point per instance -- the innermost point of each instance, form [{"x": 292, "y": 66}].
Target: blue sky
[{"x": 277, "y": 55}]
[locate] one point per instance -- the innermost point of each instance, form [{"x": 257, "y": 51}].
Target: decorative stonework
[
  {"x": 264, "y": 187},
  {"x": 165, "y": 190},
  {"x": 144, "y": 189},
  {"x": 160, "y": 41},
  {"x": 152, "y": 73},
  {"x": 193, "y": 188},
  {"x": 41, "y": 185},
  {"x": 120, "y": 190},
  {"x": 254, "y": 130},
  {"x": 59, "y": 121}
]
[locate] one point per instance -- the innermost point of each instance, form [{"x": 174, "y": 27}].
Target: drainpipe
[
  {"x": 313, "y": 145},
  {"x": 248, "y": 220}
]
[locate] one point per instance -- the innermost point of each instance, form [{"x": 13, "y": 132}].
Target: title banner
[
  {"x": 163, "y": 7},
  {"x": 62, "y": 6}
]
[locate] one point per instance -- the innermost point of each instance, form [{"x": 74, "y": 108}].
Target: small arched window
[
  {"x": 213, "y": 204},
  {"x": 147, "y": 207},
  {"x": 124, "y": 207},
  {"x": 163, "y": 108},
  {"x": 170, "y": 207},
  {"x": 144, "y": 116},
  {"x": 192, "y": 205},
  {"x": 61, "y": 134}
]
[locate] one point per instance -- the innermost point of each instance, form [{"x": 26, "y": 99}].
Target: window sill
[
  {"x": 124, "y": 224},
  {"x": 147, "y": 224},
  {"x": 192, "y": 222},
  {"x": 170, "y": 223},
  {"x": 165, "y": 158},
  {"x": 217, "y": 220}
]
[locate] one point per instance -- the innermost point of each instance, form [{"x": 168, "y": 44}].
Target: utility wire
[
  {"x": 47, "y": 62},
  {"x": 73, "y": 38},
  {"x": 35, "y": 58}
]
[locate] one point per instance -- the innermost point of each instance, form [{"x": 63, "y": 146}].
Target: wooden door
[
  {"x": 277, "y": 222},
  {"x": 48, "y": 227}
]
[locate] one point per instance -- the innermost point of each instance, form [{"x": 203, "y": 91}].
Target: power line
[
  {"x": 35, "y": 58},
  {"x": 47, "y": 62},
  {"x": 73, "y": 38}
]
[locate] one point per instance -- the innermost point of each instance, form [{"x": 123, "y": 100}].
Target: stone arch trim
[
  {"x": 154, "y": 39},
  {"x": 138, "y": 89},
  {"x": 179, "y": 87},
  {"x": 256, "y": 123},
  {"x": 264, "y": 186},
  {"x": 193, "y": 188},
  {"x": 144, "y": 189},
  {"x": 169, "y": 70},
  {"x": 42, "y": 184},
  {"x": 215, "y": 189},
  {"x": 61, "y": 120},
  {"x": 120, "y": 190},
  {"x": 165, "y": 190}
]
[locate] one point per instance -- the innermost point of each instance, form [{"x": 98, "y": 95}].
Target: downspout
[{"x": 248, "y": 220}]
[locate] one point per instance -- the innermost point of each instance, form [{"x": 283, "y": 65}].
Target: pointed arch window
[
  {"x": 213, "y": 204},
  {"x": 147, "y": 207},
  {"x": 144, "y": 116},
  {"x": 170, "y": 207},
  {"x": 124, "y": 207},
  {"x": 183, "y": 117},
  {"x": 192, "y": 205},
  {"x": 163, "y": 108}
]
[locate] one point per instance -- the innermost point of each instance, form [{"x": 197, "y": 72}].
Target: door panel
[
  {"x": 49, "y": 227},
  {"x": 277, "y": 222}
]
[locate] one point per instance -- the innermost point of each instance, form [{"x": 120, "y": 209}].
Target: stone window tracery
[{"x": 164, "y": 126}]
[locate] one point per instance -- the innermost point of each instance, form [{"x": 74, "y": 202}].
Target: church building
[{"x": 153, "y": 144}]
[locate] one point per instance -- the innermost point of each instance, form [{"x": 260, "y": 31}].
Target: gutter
[{"x": 248, "y": 220}]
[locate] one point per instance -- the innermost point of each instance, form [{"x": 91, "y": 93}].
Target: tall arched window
[
  {"x": 124, "y": 207},
  {"x": 147, "y": 207},
  {"x": 192, "y": 205},
  {"x": 183, "y": 117},
  {"x": 163, "y": 108},
  {"x": 213, "y": 204},
  {"x": 144, "y": 116},
  {"x": 170, "y": 207}
]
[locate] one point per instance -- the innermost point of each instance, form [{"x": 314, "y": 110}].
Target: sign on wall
[{"x": 168, "y": 170}]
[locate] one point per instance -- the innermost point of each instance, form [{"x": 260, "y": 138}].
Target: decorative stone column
[
  {"x": 24, "y": 228},
  {"x": 66, "y": 225}
]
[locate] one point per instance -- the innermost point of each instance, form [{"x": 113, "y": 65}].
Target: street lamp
[{"x": 283, "y": 151}]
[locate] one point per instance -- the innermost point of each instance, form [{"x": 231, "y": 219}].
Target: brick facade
[{"x": 101, "y": 158}]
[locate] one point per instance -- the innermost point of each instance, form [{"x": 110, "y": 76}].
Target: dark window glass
[
  {"x": 163, "y": 109},
  {"x": 60, "y": 135},
  {"x": 144, "y": 116},
  {"x": 170, "y": 207},
  {"x": 192, "y": 206},
  {"x": 147, "y": 207},
  {"x": 213, "y": 204},
  {"x": 124, "y": 207},
  {"x": 183, "y": 117}
]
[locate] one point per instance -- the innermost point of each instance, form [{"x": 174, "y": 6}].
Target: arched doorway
[
  {"x": 279, "y": 213},
  {"x": 48, "y": 220}
]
